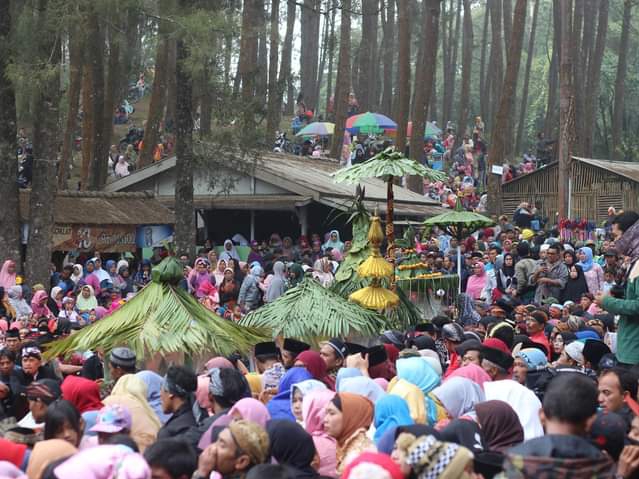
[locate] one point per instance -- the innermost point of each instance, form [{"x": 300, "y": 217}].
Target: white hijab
[{"x": 525, "y": 403}]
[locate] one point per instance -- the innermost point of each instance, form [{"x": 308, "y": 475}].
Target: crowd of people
[{"x": 531, "y": 373}]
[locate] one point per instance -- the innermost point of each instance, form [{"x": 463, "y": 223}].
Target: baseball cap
[{"x": 113, "y": 418}]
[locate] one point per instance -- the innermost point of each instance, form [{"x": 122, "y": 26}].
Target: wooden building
[
  {"x": 593, "y": 186},
  {"x": 275, "y": 193}
]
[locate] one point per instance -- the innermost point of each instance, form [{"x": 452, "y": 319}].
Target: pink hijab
[
  {"x": 38, "y": 310},
  {"x": 7, "y": 280},
  {"x": 473, "y": 372},
  {"x": 104, "y": 462},
  {"x": 313, "y": 406},
  {"x": 476, "y": 283},
  {"x": 202, "y": 392},
  {"x": 251, "y": 410},
  {"x": 218, "y": 362}
]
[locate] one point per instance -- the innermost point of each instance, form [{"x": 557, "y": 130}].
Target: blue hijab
[
  {"x": 418, "y": 372},
  {"x": 362, "y": 385},
  {"x": 344, "y": 373},
  {"x": 588, "y": 263},
  {"x": 280, "y": 405},
  {"x": 154, "y": 383},
  {"x": 390, "y": 411}
]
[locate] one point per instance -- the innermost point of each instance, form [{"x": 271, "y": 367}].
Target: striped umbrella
[
  {"x": 317, "y": 128},
  {"x": 370, "y": 123}
]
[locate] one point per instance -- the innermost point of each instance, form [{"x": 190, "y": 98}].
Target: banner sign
[{"x": 106, "y": 239}]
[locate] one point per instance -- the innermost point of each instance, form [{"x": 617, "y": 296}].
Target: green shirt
[{"x": 628, "y": 328}]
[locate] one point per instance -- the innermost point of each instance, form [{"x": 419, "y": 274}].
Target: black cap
[
  {"x": 468, "y": 345},
  {"x": 376, "y": 355},
  {"x": 425, "y": 328},
  {"x": 611, "y": 252},
  {"x": 526, "y": 343},
  {"x": 354, "y": 348},
  {"x": 13, "y": 333},
  {"x": 268, "y": 348},
  {"x": 295, "y": 346},
  {"x": 453, "y": 332},
  {"x": 594, "y": 350},
  {"x": 122, "y": 357},
  {"x": 339, "y": 347},
  {"x": 395, "y": 338},
  {"x": 423, "y": 342},
  {"x": 498, "y": 357}
]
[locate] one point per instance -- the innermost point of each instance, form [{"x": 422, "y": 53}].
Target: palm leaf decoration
[
  {"x": 386, "y": 163},
  {"x": 162, "y": 318},
  {"x": 311, "y": 311}
]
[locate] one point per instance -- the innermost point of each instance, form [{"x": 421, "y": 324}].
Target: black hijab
[
  {"x": 292, "y": 446},
  {"x": 575, "y": 287}
]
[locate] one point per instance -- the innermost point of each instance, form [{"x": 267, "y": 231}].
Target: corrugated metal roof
[
  {"x": 100, "y": 208},
  {"x": 622, "y": 168},
  {"x": 308, "y": 177}
]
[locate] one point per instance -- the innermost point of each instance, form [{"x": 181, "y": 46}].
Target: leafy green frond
[{"x": 311, "y": 311}]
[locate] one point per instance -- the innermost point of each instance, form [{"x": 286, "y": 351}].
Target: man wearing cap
[
  {"x": 239, "y": 447},
  {"x": 12, "y": 341},
  {"x": 453, "y": 335},
  {"x": 268, "y": 364},
  {"x": 498, "y": 363},
  {"x": 32, "y": 367},
  {"x": 333, "y": 352},
  {"x": 40, "y": 395},
  {"x": 121, "y": 361},
  {"x": 113, "y": 419},
  {"x": 176, "y": 395},
  {"x": 290, "y": 349},
  {"x": 470, "y": 352}
]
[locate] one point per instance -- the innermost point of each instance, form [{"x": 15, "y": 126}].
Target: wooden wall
[{"x": 593, "y": 191}]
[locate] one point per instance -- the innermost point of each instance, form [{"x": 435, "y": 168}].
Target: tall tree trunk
[
  {"x": 498, "y": 138},
  {"x": 331, "y": 59},
  {"x": 309, "y": 51},
  {"x": 158, "y": 93},
  {"x": 389, "y": 57},
  {"x": 484, "y": 96},
  {"x": 45, "y": 149},
  {"x": 274, "y": 111},
  {"x": 566, "y": 108},
  {"x": 248, "y": 62},
  {"x": 368, "y": 53},
  {"x": 594, "y": 76},
  {"x": 449, "y": 86},
  {"x": 524, "y": 92},
  {"x": 99, "y": 159},
  {"x": 577, "y": 71},
  {"x": 507, "y": 17},
  {"x": 171, "y": 83},
  {"x": 284, "y": 80},
  {"x": 496, "y": 68},
  {"x": 343, "y": 80},
  {"x": 550, "y": 123},
  {"x": 184, "y": 211},
  {"x": 403, "y": 70},
  {"x": 73, "y": 97},
  {"x": 262, "y": 59},
  {"x": 10, "y": 204},
  {"x": 425, "y": 77},
  {"x": 467, "y": 65},
  {"x": 620, "y": 83},
  {"x": 322, "y": 64},
  {"x": 110, "y": 100}
]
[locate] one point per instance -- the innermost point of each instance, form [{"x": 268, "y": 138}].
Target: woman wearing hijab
[
  {"x": 252, "y": 410},
  {"x": 333, "y": 242},
  {"x": 347, "y": 418},
  {"x": 154, "y": 383},
  {"x": 314, "y": 364},
  {"x": 313, "y": 407},
  {"x": 219, "y": 272},
  {"x": 592, "y": 271},
  {"x": 54, "y": 302},
  {"x": 362, "y": 385},
  {"x": 478, "y": 283},
  {"x": 47, "y": 452},
  {"x": 118, "y": 282},
  {"x": 17, "y": 301},
  {"x": 199, "y": 276},
  {"x": 277, "y": 285},
  {"x": 297, "y": 396},
  {"x": 84, "y": 394},
  {"x": 459, "y": 396},
  {"x": 323, "y": 272},
  {"x": 506, "y": 283},
  {"x": 296, "y": 274},
  {"x": 292, "y": 446},
  {"x": 500, "y": 425},
  {"x": 280, "y": 405},
  {"x": 418, "y": 372},
  {"x": 390, "y": 411},
  {"x": 576, "y": 286},
  {"x": 473, "y": 372},
  {"x": 8, "y": 274},
  {"x": 467, "y": 313},
  {"x": 6, "y": 308},
  {"x": 131, "y": 392},
  {"x": 39, "y": 305},
  {"x": 229, "y": 251},
  {"x": 86, "y": 301},
  {"x": 250, "y": 295},
  {"x": 228, "y": 290},
  {"x": 78, "y": 273}
]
